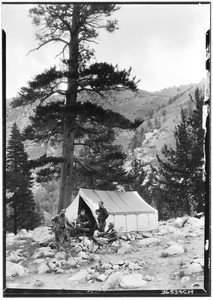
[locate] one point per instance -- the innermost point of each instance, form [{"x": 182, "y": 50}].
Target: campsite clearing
[{"x": 182, "y": 270}]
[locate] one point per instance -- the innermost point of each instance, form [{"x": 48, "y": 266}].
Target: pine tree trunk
[{"x": 66, "y": 187}]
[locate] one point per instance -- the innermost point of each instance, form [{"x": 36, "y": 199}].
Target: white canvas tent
[{"x": 126, "y": 209}]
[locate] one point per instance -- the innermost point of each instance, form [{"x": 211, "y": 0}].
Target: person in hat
[
  {"x": 102, "y": 216},
  {"x": 60, "y": 225},
  {"x": 83, "y": 220}
]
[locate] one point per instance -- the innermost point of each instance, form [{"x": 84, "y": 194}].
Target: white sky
[{"x": 164, "y": 45}]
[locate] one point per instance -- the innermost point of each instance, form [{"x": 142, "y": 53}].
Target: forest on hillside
[{"x": 80, "y": 129}]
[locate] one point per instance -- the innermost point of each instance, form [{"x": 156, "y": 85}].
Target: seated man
[
  {"x": 106, "y": 237},
  {"x": 82, "y": 220}
]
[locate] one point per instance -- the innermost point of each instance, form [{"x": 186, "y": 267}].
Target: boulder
[
  {"x": 107, "y": 266},
  {"x": 87, "y": 242},
  {"x": 125, "y": 248},
  {"x": 13, "y": 269},
  {"x": 22, "y": 232},
  {"x": 41, "y": 233},
  {"x": 115, "y": 267},
  {"x": 60, "y": 255},
  {"x": 195, "y": 223},
  {"x": 101, "y": 277},
  {"x": 95, "y": 257},
  {"x": 47, "y": 240},
  {"x": 43, "y": 268},
  {"x": 185, "y": 279},
  {"x": 79, "y": 276},
  {"x": 129, "y": 236},
  {"x": 14, "y": 257},
  {"x": 146, "y": 235},
  {"x": 133, "y": 266},
  {"x": 112, "y": 282},
  {"x": 78, "y": 249},
  {"x": 193, "y": 268},
  {"x": 132, "y": 281},
  {"x": 124, "y": 238},
  {"x": 148, "y": 278},
  {"x": 175, "y": 249},
  {"x": 108, "y": 272},
  {"x": 72, "y": 262},
  {"x": 43, "y": 252},
  {"x": 198, "y": 260},
  {"x": 10, "y": 237},
  {"x": 148, "y": 241},
  {"x": 83, "y": 255},
  {"x": 59, "y": 271}
]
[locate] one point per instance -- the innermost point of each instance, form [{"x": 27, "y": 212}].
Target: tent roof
[{"x": 118, "y": 202}]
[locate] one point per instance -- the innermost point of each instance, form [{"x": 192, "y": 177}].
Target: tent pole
[
  {"x": 148, "y": 221},
  {"x": 137, "y": 221}
]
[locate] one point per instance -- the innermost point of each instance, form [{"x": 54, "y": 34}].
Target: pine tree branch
[{"x": 46, "y": 42}]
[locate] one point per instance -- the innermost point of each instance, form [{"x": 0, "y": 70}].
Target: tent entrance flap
[{"x": 83, "y": 205}]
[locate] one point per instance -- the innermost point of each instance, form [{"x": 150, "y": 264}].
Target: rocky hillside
[{"x": 159, "y": 110}]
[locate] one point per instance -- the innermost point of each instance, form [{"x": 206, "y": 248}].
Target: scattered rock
[
  {"x": 60, "y": 255},
  {"x": 22, "y": 232},
  {"x": 185, "y": 279},
  {"x": 112, "y": 282},
  {"x": 198, "y": 260},
  {"x": 115, "y": 267},
  {"x": 148, "y": 278},
  {"x": 175, "y": 249},
  {"x": 146, "y": 235},
  {"x": 89, "y": 276},
  {"x": 108, "y": 272},
  {"x": 101, "y": 277},
  {"x": 107, "y": 266},
  {"x": 83, "y": 255},
  {"x": 129, "y": 236},
  {"x": 40, "y": 233},
  {"x": 14, "y": 257},
  {"x": 43, "y": 268},
  {"x": 148, "y": 241},
  {"x": 193, "y": 268},
  {"x": 78, "y": 249},
  {"x": 59, "y": 271},
  {"x": 52, "y": 266},
  {"x": 47, "y": 240},
  {"x": 125, "y": 248},
  {"x": 72, "y": 262},
  {"x": 132, "y": 281},
  {"x": 95, "y": 257},
  {"x": 87, "y": 242},
  {"x": 13, "y": 269},
  {"x": 194, "y": 222},
  {"x": 79, "y": 276},
  {"x": 195, "y": 285},
  {"x": 124, "y": 238},
  {"x": 133, "y": 266}
]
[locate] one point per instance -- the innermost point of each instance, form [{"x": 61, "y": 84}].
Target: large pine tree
[
  {"x": 181, "y": 169},
  {"x": 68, "y": 119},
  {"x": 103, "y": 162},
  {"x": 24, "y": 213}
]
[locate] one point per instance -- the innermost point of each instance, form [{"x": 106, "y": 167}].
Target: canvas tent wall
[{"x": 126, "y": 209}]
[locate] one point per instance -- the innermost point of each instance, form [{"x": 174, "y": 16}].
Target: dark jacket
[
  {"x": 83, "y": 220},
  {"x": 102, "y": 214}
]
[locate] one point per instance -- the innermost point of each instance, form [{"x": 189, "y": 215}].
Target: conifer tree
[
  {"x": 18, "y": 185},
  {"x": 181, "y": 170},
  {"x": 103, "y": 162},
  {"x": 65, "y": 119}
]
